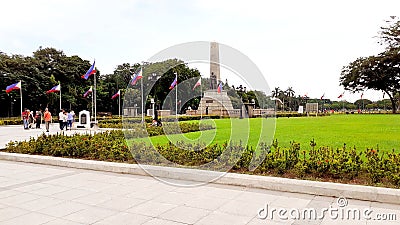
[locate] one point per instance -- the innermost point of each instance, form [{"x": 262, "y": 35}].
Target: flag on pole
[
  {"x": 173, "y": 84},
  {"x": 362, "y": 94},
  {"x": 89, "y": 72},
  {"x": 322, "y": 97},
  {"x": 197, "y": 84},
  {"x": 88, "y": 92},
  {"x": 219, "y": 87},
  {"x": 116, "y": 94},
  {"x": 137, "y": 76},
  {"x": 341, "y": 95},
  {"x": 12, "y": 87},
  {"x": 56, "y": 88}
]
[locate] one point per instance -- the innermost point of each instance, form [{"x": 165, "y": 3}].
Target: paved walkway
[
  {"x": 17, "y": 132},
  {"x": 39, "y": 194}
]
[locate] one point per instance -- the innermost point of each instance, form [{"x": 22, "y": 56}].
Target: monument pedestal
[{"x": 214, "y": 103}]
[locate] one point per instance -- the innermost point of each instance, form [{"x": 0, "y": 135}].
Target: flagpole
[
  {"x": 141, "y": 88},
  {"x": 94, "y": 98},
  {"x": 201, "y": 106},
  {"x": 119, "y": 105},
  {"x": 60, "y": 96},
  {"x": 92, "y": 105},
  {"x": 176, "y": 97},
  {"x": 20, "y": 93}
]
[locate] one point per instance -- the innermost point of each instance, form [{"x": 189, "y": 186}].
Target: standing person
[
  {"x": 47, "y": 119},
  {"x": 60, "y": 119},
  {"x": 38, "y": 118},
  {"x": 65, "y": 120},
  {"x": 70, "y": 119},
  {"x": 25, "y": 118},
  {"x": 73, "y": 117},
  {"x": 31, "y": 119}
]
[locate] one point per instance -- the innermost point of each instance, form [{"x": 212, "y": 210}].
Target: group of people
[
  {"x": 66, "y": 119},
  {"x": 31, "y": 118}
]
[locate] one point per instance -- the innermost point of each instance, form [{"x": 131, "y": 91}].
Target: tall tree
[{"x": 381, "y": 72}]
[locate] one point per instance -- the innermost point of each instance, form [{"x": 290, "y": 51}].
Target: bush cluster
[{"x": 343, "y": 164}]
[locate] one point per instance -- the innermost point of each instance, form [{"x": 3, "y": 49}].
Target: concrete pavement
[
  {"x": 42, "y": 194},
  {"x": 17, "y": 132}
]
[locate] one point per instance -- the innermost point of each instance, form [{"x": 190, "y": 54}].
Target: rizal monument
[{"x": 214, "y": 101}]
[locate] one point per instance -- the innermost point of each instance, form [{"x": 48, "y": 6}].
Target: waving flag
[
  {"x": 89, "y": 72},
  {"x": 322, "y": 97},
  {"x": 362, "y": 94},
  {"x": 341, "y": 95},
  {"x": 88, "y": 92},
  {"x": 137, "y": 76},
  {"x": 116, "y": 94},
  {"x": 12, "y": 87},
  {"x": 56, "y": 88},
  {"x": 173, "y": 84},
  {"x": 219, "y": 87},
  {"x": 197, "y": 84}
]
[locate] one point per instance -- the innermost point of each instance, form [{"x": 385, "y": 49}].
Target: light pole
[{"x": 240, "y": 91}]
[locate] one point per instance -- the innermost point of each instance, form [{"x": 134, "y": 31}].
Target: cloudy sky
[{"x": 302, "y": 44}]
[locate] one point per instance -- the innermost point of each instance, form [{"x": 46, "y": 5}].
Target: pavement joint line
[
  {"x": 24, "y": 184},
  {"x": 359, "y": 192}
]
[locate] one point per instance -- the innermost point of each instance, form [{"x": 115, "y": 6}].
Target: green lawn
[{"x": 361, "y": 131}]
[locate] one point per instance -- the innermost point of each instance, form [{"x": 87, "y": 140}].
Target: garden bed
[{"x": 344, "y": 165}]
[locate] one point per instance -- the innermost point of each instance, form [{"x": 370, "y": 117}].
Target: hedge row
[{"x": 345, "y": 164}]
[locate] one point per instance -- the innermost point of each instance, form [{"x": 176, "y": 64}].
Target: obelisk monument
[
  {"x": 214, "y": 102},
  {"x": 214, "y": 65}
]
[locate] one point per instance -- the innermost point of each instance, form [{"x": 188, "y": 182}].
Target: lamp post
[
  {"x": 240, "y": 91},
  {"x": 153, "y": 78}
]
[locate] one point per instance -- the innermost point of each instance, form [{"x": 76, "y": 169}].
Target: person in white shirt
[{"x": 60, "y": 119}]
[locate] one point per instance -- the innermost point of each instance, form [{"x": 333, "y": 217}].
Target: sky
[{"x": 300, "y": 44}]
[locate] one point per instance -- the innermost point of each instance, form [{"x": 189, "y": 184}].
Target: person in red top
[{"x": 47, "y": 119}]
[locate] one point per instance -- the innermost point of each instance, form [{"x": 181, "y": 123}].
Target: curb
[{"x": 367, "y": 193}]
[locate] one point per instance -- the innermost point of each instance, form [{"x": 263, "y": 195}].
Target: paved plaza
[
  {"x": 40, "y": 194},
  {"x": 43, "y": 194},
  {"x": 17, "y": 132}
]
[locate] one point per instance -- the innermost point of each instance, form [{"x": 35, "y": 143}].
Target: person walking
[
  {"x": 70, "y": 119},
  {"x": 60, "y": 119},
  {"x": 47, "y": 119},
  {"x": 65, "y": 120},
  {"x": 31, "y": 119},
  {"x": 25, "y": 117},
  {"x": 38, "y": 118}
]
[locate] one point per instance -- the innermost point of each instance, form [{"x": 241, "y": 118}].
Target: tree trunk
[{"x": 393, "y": 101}]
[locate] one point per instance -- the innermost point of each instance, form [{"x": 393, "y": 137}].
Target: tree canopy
[{"x": 380, "y": 72}]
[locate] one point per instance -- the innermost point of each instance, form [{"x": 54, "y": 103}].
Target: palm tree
[
  {"x": 275, "y": 94},
  {"x": 290, "y": 93}
]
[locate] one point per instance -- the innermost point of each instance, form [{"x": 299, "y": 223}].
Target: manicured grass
[{"x": 362, "y": 131}]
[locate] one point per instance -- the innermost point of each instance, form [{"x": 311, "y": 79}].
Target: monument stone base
[{"x": 213, "y": 102}]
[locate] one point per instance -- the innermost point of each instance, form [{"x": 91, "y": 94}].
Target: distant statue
[{"x": 213, "y": 81}]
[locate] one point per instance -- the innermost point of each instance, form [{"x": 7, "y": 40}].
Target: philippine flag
[
  {"x": 56, "y": 88},
  {"x": 219, "y": 87},
  {"x": 322, "y": 97},
  {"x": 341, "y": 95},
  {"x": 89, "y": 72},
  {"x": 137, "y": 77},
  {"x": 197, "y": 84},
  {"x": 87, "y": 92},
  {"x": 12, "y": 87},
  {"x": 116, "y": 94},
  {"x": 173, "y": 84}
]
